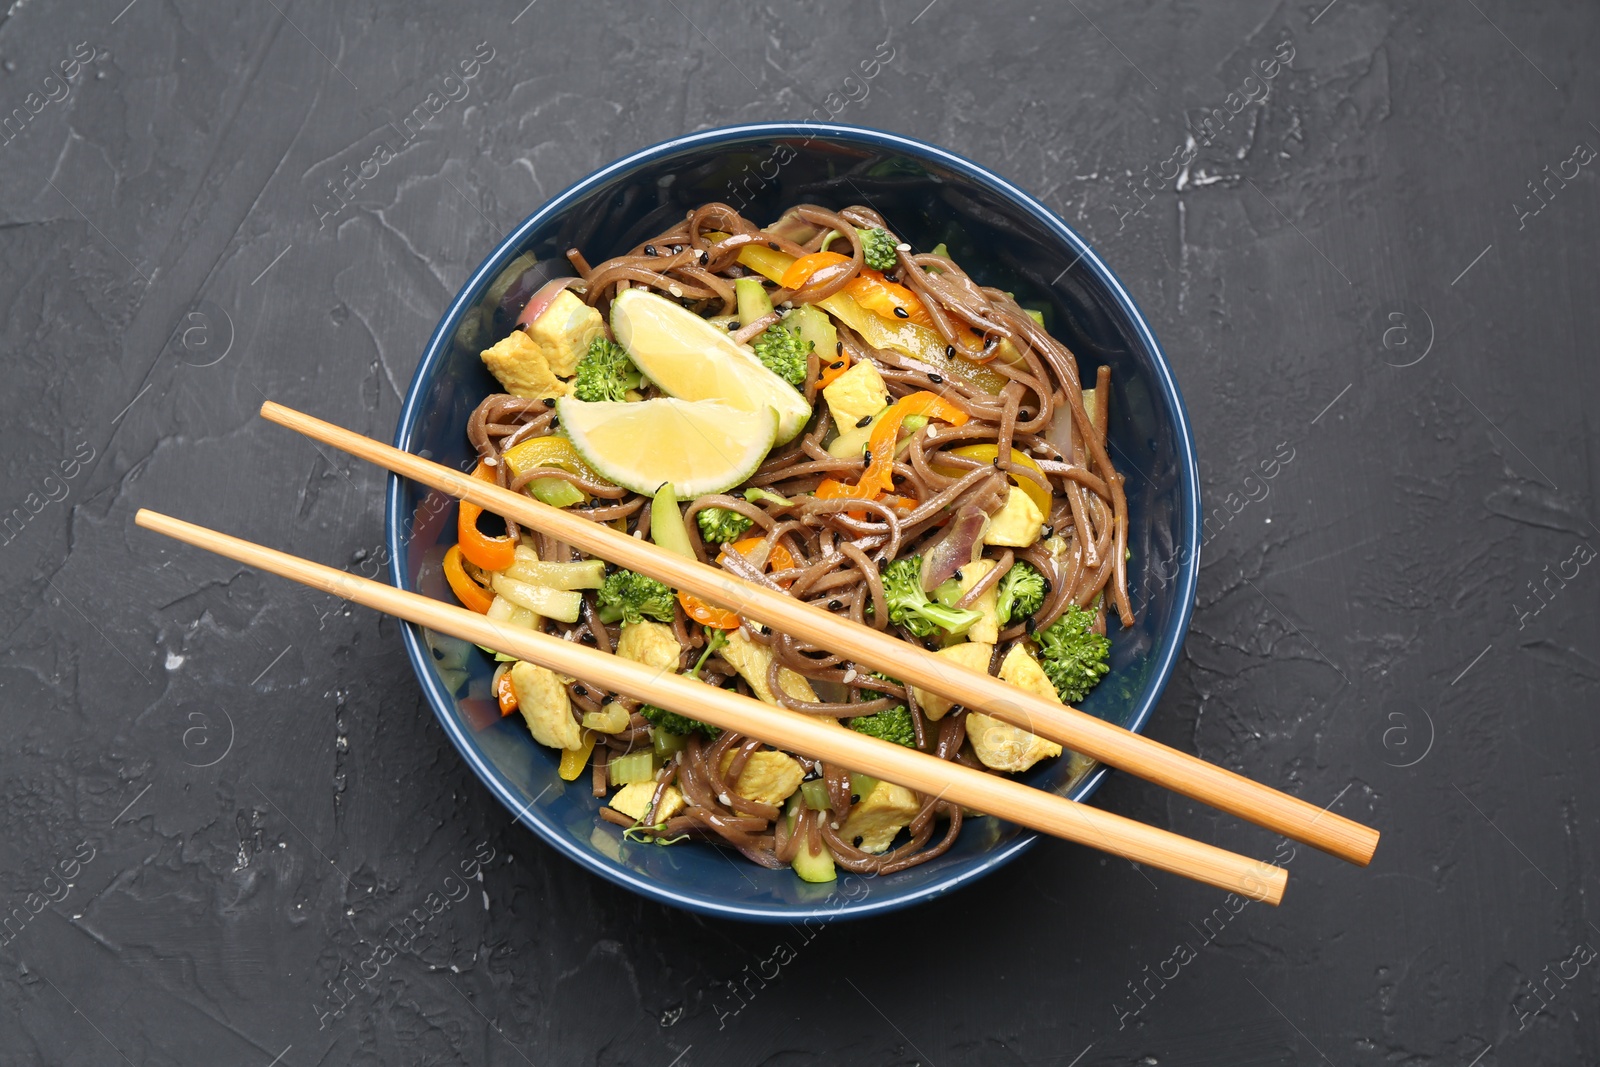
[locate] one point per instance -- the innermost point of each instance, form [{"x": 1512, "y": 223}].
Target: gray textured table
[{"x": 1376, "y": 277}]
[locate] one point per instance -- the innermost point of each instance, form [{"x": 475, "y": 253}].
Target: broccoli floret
[
  {"x": 782, "y": 351},
  {"x": 910, "y": 607},
  {"x": 630, "y": 597},
  {"x": 605, "y": 373},
  {"x": 873, "y": 694},
  {"x": 892, "y": 725},
  {"x": 720, "y": 524},
  {"x": 1022, "y": 591},
  {"x": 673, "y": 723},
  {"x": 877, "y": 247},
  {"x": 715, "y": 639},
  {"x": 1073, "y": 657}
]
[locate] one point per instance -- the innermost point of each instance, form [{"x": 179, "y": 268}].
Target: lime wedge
[
  {"x": 700, "y": 446},
  {"x": 690, "y": 358}
]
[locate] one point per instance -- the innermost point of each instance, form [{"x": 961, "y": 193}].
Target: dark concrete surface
[{"x": 219, "y": 790}]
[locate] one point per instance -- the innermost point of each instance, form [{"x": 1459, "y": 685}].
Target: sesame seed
[
  {"x": 650, "y": 250},
  {"x": 677, "y": 249},
  {"x": 775, "y": 246},
  {"x": 578, "y": 689},
  {"x": 549, "y": 401},
  {"x": 838, "y": 348},
  {"x": 835, "y": 604},
  {"x": 950, "y": 350},
  {"x": 863, "y": 421},
  {"x": 836, "y": 366},
  {"x": 936, "y": 379},
  {"x": 733, "y": 326},
  {"x": 674, "y": 290},
  {"x": 902, "y": 247},
  {"x": 901, "y": 313}
]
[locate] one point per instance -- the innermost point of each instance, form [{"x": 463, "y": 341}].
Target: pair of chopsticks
[{"x": 1001, "y": 797}]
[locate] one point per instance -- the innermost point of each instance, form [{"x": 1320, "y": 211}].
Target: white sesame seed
[
  {"x": 902, "y": 247},
  {"x": 674, "y": 290}
]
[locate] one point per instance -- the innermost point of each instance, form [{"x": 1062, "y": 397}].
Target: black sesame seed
[
  {"x": 1024, "y": 414},
  {"x": 836, "y": 366},
  {"x": 775, "y": 246},
  {"x": 835, "y": 604},
  {"x": 1047, "y": 530},
  {"x": 901, "y": 313},
  {"x": 858, "y": 840},
  {"x": 936, "y": 379},
  {"x": 554, "y": 423},
  {"x": 838, "y": 348},
  {"x": 580, "y": 690},
  {"x": 995, "y": 461},
  {"x": 950, "y": 350},
  {"x": 732, "y": 326},
  {"x": 957, "y": 574},
  {"x": 676, "y": 249},
  {"x": 549, "y": 401},
  {"x": 892, "y": 278},
  {"x": 1031, "y": 625},
  {"x": 650, "y": 250},
  {"x": 587, "y": 638},
  {"x": 863, "y": 420},
  {"x": 1047, "y": 587},
  {"x": 704, "y": 259}
]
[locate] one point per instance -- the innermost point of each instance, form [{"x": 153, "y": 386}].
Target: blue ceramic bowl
[{"x": 998, "y": 233}]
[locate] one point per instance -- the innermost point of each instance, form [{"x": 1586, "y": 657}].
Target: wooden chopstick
[
  {"x": 1128, "y": 751},
  {"x": 787, "y": 730}
]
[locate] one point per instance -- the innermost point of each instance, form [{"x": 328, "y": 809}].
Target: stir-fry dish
[{"x": 817, "y": 407}]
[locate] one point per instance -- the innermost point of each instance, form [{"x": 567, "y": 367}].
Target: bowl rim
[{"x": 438, "y": 348}]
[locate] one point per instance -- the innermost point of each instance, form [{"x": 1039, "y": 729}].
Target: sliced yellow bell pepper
[
  {"x": 574, "y": 760},
  {"x": 986, "y": 453}
]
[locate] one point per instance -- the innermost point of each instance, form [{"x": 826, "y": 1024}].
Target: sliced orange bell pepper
[
  {"x": 879, "y": 475},
  {"x": 832, "y": 369},
  {"x": 489, "y": 553},
  {"x": 779, "y": 559},
  {"x": 806, "y": 267},
  {"x": 504, "y": 695},
  {"x": 470, "y": 593},
  {"x": 885, "y": 298}
]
